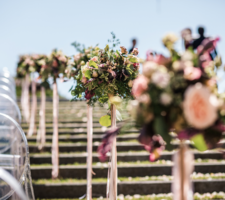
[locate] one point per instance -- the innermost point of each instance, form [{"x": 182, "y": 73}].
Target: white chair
[
  {"x": 7, "y": 181},
  {"x": 14, "y": 155},
  {"x": 6, "y": 90},
  {"x": 9, "y": 107},
  {"x": 7, "y": 82}
]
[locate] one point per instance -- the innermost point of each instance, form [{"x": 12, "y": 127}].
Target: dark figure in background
[
  {"x": 134, "y": 42},
  {"x": 199, "y": 40}
]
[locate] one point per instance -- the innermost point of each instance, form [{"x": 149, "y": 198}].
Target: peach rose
[
  {"x": 140, "y": 85},
  {"x": 95, "y": 59},
  {"x": 199, "y": 109}
]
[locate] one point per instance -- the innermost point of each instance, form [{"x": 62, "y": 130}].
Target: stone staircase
[{"x": 136, "y": 175}]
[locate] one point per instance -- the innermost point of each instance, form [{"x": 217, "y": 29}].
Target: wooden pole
[
  {"x": 89, "y": 151},
  {"x": 32, "y": 127},
  {"x": 113, "y": 172},
  {"x": 42, "y": 119},
  {"x": 55, "y": 136},
  {"x": 183, "y": 180},
  {"x": 26, "y": 98}
]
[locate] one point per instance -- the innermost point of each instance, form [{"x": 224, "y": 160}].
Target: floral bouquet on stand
[
  {"x": 179, "y": 95},
  {"x": 25, "y": 67},
  {"x": 29, "y": 65},
  {"x": 107, "y": 77},
  {"x": 54, "y": 67}
]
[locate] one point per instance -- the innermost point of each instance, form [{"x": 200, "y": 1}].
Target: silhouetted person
[
  {"x": 186, "y": 34},
  {"x": 134, "y": 42},
  {"x": 199, "y": 41}
]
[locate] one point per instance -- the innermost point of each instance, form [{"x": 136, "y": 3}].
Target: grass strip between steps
[
  {"x": 169, "y": 196},
  {"x": 195, "y": 176},
  {"x": 138, "y": 163}
]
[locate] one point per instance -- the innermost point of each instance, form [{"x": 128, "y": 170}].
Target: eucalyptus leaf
[
  {"x": 87, "y": 74},
  {"x": 105, "y": 120},
  {"x": 199, "y": 142},
  {"x": 93, "y": 64},
  {"x": 133, "y": 60}
]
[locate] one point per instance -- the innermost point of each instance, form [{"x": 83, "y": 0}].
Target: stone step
[
  {"x": 162, "y": 196},
  {"x": 124, "y": 170},
  {"x": 79, "y": 147},
  {"x": 70, "y": 158},
  {"x": 81, "y": 124},
  {"x": 76, "y": 190},
  {"x": 76, "y": 131},
  {"x": 83, "y": 138}
]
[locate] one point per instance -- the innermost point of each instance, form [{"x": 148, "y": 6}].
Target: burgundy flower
[
  {"x": 153, "y": 143},
  {"x": 89, "y": 94},
  {"x": 106, "y": 144}
]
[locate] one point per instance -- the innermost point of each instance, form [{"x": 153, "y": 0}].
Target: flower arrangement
[
  {"x": 106, "y": 73},
  {"x": 54, "y": 65},
  {"x": 79, "y": 60},
  {"x": 28, "y": 64},
  {"x": 179, "y": 94}
]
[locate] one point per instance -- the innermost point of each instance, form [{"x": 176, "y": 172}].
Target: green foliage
[
  {"x": 199, "y": 142},
  {"x": 105, "y": 120},
  {"x": 93, "y": 64},
  {"x": 88, "y": 74}
]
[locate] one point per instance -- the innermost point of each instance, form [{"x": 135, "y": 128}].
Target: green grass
[
  {"x": 195, "y": 176},
  {"x": 169, "y": 196},
  {"x": 138, "y": 163}
]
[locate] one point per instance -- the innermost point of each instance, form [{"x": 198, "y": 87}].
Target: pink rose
[
  {"x": 44, "y": 66},
  {"x": 161, "y": 60},
  {"x": 135, "y": 51},
  {"x": 54, "y": 63},
  {"x": 29, "y": 62},
  {"x": 112, "y": 72},
  {"x": 199, "y": 109},
  {"x": 207, "y": 45},
  {"x": 140, "y": 85},
  {"x": 157, "y": 58},
  {"x": 161, "y": 79},
  {"x": 62, "y": 58},
  {"x": 84, "y": 80},
  {"x": 192, "y": 73}
]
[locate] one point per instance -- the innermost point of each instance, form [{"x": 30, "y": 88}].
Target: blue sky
[{"x": 39, "y": 26}]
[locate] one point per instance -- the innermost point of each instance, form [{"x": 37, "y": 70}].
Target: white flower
[
  {"x": 42, "y": 62},
  {"x": 84, "y": 69},
  {"x": 77, "y": 57},
  {"x": 149, "y": 67},
  {"x": 160, "y": 79},
  {"x": 169, "y": 39},
  {"x": 165, "y": 98},
  {"x": 187, "y": 56},
  {"x": 200, "y": 107}
]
